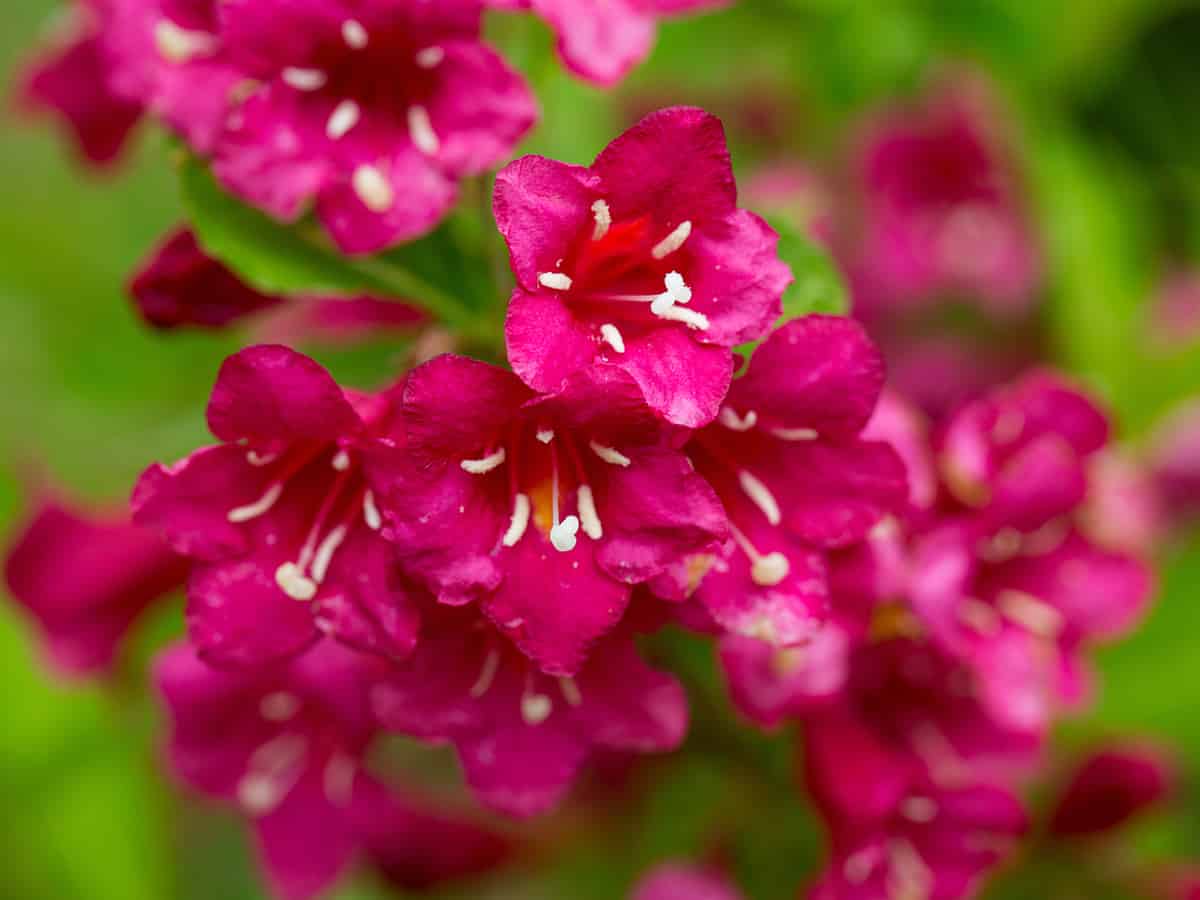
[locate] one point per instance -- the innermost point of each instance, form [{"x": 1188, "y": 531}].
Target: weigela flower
[
  {"x": 522, "y": 736},
  {"x": 545, "y": 509},
  {"x": 641, "y": 262},
  {"x": 679, "y": 881},
  {"x": 73, "y": 79},
  {"x": 86, "y": 577},
  {"x": 1113, "y": 785},
  {"x": 601, "y": 40},
  {"x": 1009, "y": 579},
  {"x": 279, "y": 516},
  {"x": 796, "y": 480},
  {"x": 1175, "y": 460},
  {"x": 375, "y": 108},
  {"x": 287, "y": 746}
]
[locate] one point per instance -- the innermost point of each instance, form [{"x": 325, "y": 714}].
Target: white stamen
[
  {"x": 570, "y": 691},
  {"x": 761, "y": 496},
  {"x": 587, "y": 513},
  {"x": 486, "y": 464},
  {"x": 672, "y": 241},
  {"x": 564, "y": 535},
  {"x": 677, "y": 288},
  {"x": 603, "y": 216},
  {"x": 354, "y": 34},
  {"x": 420, "y": 129},
  {"x": 339, "y": 779},
  {"x": 769, "y": 570},
  {"x": 519, "y": 522},
  {"x": 304, "y": 79},
  {"x": 979, "y": 616},
  {"x": 545, "y": 435},
  {"x": 731, "y": 420},
  {"x": 555, "y": 281},
  {"x": 430, "y": 57},
  {"x": 179, "y": 45},
  {"x": 612, "y": 337},
  {"x": 487, "y": 674},
  {"x": 279, "y": 706},
  {"x": 795, "y": 434},
  {"x": 259, "y": 794},
  {"x": 1031, "y": 613},
  {"x": 371, "y": 512},
  {"x": 692, "y": 319},
  {"x": 919, "y": 809},
  {"x": 858, "y": 866},
  {"x": 536, "y": 708},
  {"x": 340, "y": 461},
  {"x": 373, "y": 188},
  {"x": 258, "y": 507},
  {"x": 293, "y": 582},
  {"x": 260, "y": 459},
  {"x": 609, "y": 455},
  {"x": 325, "y": 552},
  {"x": 344, "y": 117}
]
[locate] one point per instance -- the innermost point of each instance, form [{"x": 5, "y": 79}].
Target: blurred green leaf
[{"x": 819, "y": 286}]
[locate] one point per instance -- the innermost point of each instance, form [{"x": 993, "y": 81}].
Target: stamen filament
[
  {"x": 486, "y": 464},
  {"x": 672, "y": 241},
  {"x": 760, "y": 495}
]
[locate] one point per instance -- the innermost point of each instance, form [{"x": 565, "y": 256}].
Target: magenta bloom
[
  {"x": 374, "y": 108},
  {"x": 1176, "y": 461},
  {"x": 521, "y": 735},
  {"x": 796, "y": 480},
  {"x": 287, "y": 746},
  {"x": 279, "y": 517},
  {"x": 677, "y": 881},
  {"x": 941, "y": 213},
  {"x": 544, "y": 509},
  {"x": 642, "y": 262},
  {"x": 86, "y": 578},
  {"x": 601, "y": 40},
  {"x": 73, "y": 79},
  {"x": 1112, "y": 786}
]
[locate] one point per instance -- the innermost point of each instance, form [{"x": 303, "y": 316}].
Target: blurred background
[{"x": 1094, "y": 107}]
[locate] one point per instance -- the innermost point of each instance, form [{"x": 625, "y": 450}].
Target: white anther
[
  {"x": 1031, "y": 613},
  {"x": 519, "y": 522},
  {"x": 545, "y": 435},
  {"x": 354, "y": 34},
  {"x": 338, "y": 779},
  {"x": 858, "y": 866},
  {"x": 260, "y": 459},
  {"x": 587, "y": 513},
  {"x": 344, "y": 117},
  {"x": 761, "y": 496},
  {"x": 612, "y": 337},
  {"x": 689, "y": 317},
  {"x": 536, "y": 708},
  {"x": 677, "y": 288},
  {"x": 325, "y": 551},
  {"x": 795, "y": 434},
  {"x": 179, "y": 45},
  {"x": 430, "y": 57},
  {"x": 769, "y": 570},
  {"x": 373, "y": 189},
  {"x": 672, "y": 241},
  {"x": 564, "y": 535},
  {"x": 420, "y": 129},
  {"x": 979, "y": 616},
  {"x": 570, "y": 691},
  {"x": 259, "y": 794},
  {"x": 603, "y": 216},
  {"x": 486, "y": 464},
  {"x": 304, "y": 79},
  {"x": 279, "y": 706},
  {"x": 293, "y": 582},
  {"x": 921, "y": 810},
  {"x": 371, "y": 512},
  {"x": 258, "y": 507},
  {"x": 555, "y": 281},
  {"x": 491, "y": 665},
  {"x": 340, "y": 461},
  {"x": 731, "y": 420},
  {"x": 610, "y": 455}
]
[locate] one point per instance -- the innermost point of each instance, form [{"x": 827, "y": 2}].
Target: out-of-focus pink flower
[
  {"x": 86, "y": 577},
  {"x": 1124, "y": 507},
  {"x": 1176, "y": 312},
  {"x": 601, "y": 40},
  {"x": 287, "y": 746},
  {"x": 373, "y": 109},
  {"x": 73, "y": 79},
  {"x": 522, "y": 736},
  {"x": 1112, "y": 786},
  {"x": 544, "y": 509},
  {"x": 641, "y": 262},
  {"x": 797, "y": 193},
  {"x": 680, "y": 881},
  {"x": 1175, "y": 458},
  {"x": 279, "y": 517}
]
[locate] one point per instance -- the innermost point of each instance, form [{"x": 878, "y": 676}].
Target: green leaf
[{"x": 819, "y": 286}]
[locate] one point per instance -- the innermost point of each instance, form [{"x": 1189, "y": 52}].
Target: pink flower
[
  {"x": 1176, "y": 313},
  {"x": 544, "y": 509},
  {"x": 1175, "y": 458},
  {"x": 522, "y": 736},
  {"x": 799, "y": 193},
  {"x": 796, "y": 480},
  {"x": 642, "y": 262},
  {"x": 375, "y": 108},
  {"x": 287, "y": 746},
  {"x": 1112, "y": 786},
  {"x": 678, "y": 881},
  {"x": 280, "y": 518},
  {"x": 86, "y": 577},
  {"x": 73, "y": 79},
  {"x": 601, "y": 40}
]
